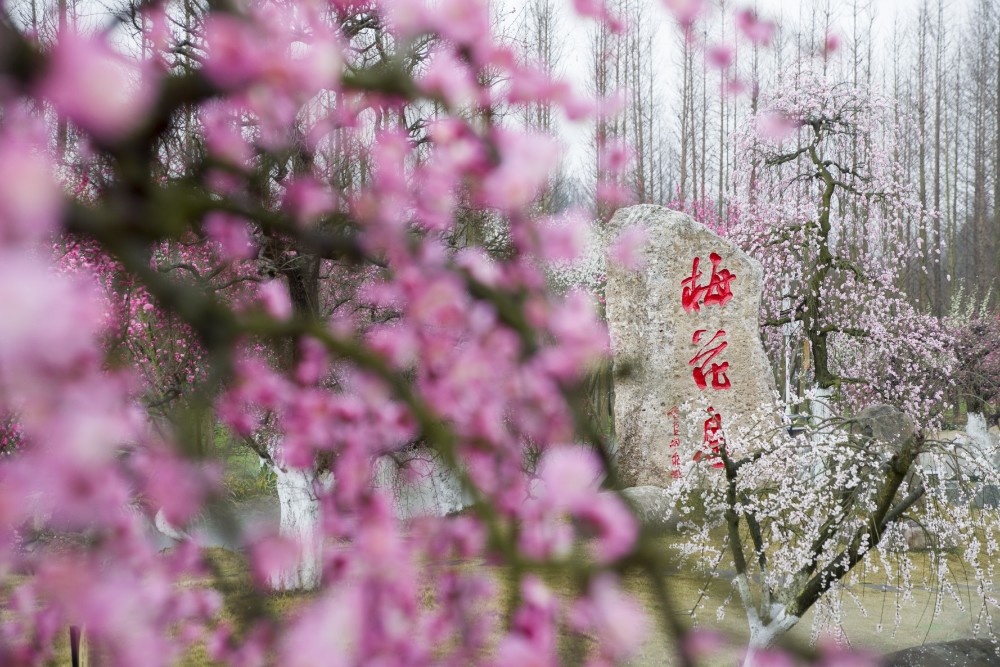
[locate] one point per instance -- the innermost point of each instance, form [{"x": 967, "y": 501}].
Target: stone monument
[{"x": 686, "y": 345}]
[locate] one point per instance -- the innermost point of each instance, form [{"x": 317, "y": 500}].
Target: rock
[
  {"x": 687, "y": 352},
  {"x": 885, "y": 424},
  {"x": 914, "y": 536},
  {"x": 653, "y": 507},
  {"x": 958, "y": 653},
  {"x": 421, "y": 484}
]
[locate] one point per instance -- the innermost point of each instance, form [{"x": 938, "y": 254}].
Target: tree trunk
[
  {"x": 819, "y": 407},
  {"x": 300, "y": 516},
  {"x": 762, "y": 633},
  {"x": 763, "y": 636}
]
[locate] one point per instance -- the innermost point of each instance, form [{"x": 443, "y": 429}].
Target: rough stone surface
[
  {"x": 420, "y": 483},
  {"x": 885, "y": 424},
  {"x": 653, "y": 341},
  {"x": 914, "y": 537},
  {"x": 959, "y": 653},
  {"x": 653, "y": 507}
]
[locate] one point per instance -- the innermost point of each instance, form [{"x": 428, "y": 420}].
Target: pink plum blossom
[
  {"x": 232, "y": 234},
  {"x": 91, "y": 84},
  {"x": 363, "y": 329},
  {"x": 831, "y": 44},
  {"x": 563, "y": 239},
  {"x": 274, "y": 298},
  {"x": 569, "y": 475},
  {"x": 525, "y": 163},
  {"x": 447, "y": 77},
  {"x": 686, "y": 12},
  {"x": 627, "y": 249},
  {"x": 776, "y": 126},
  {"x": 598, "y": 10},
  {"x": 617, "y": 620},
  {"x": 30, "y": 198},
  {"x": 234, "y": 53},
  {"x": 720, "y": 56},
  {"x": 754, "y": 28}
]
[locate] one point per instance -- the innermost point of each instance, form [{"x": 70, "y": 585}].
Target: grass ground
[
  {"x": 245, "y": 479},
  {"x": 876, "y": 616},
  {"x": 869, "y": 620}
]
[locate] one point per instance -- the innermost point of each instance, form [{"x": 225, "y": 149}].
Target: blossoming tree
[
  {"x": 978, "y": 374},
  {"x": 822, "y": 207}
]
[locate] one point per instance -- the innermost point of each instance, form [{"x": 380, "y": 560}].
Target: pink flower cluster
[
  {"x": 288, "y": 227},
  {"x": 75, "y": 478}
]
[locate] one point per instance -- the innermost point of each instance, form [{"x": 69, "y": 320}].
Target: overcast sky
[{"x": 887, "y": 15}]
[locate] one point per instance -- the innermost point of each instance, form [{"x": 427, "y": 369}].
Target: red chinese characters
[
  {"x": 713, "y": 438},
  {"x": 717, "y": 291},
  {"x": 675, "y": 443},
  {"x": 710, "y": 369},
  {"x": 706, "y": 368}
]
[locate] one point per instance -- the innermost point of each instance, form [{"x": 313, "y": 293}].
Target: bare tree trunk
[
  {"x": 300, "y": 516},
  {"x": 704, "y": 122},
  {"x": 957, "y": 121},
  {"x": 685, "y": 117},
  {"x": 938, "y": 95},
  {"x": 923, "y": 292},
  {"x": 62, "y": 127},
  {"x": 996, "y": 166}
]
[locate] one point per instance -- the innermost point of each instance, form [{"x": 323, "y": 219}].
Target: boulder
[
  {"x": 915, "y": 537},
  {"x": 653, "y": 507},
  {"x": 685, "y": 337},
  {"x": 885, "y": 424}
]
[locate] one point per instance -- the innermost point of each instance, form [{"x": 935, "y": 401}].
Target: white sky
[{"x": 887, "y": 16}]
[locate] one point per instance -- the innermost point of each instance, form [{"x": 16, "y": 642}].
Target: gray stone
[
  {"x": 653, "y": 507},
  {"x": 421, "y": 484},
  {"x": 885, "y": 424},
  {"x": 915, "y": 536},
  {"x": 959, "y": 653},
  {"x": 659, "y": 407}
]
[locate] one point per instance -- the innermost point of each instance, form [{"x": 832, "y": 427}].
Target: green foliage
[{"x": 246, "y": 479}]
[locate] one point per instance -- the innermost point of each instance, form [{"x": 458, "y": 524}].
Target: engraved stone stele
[{"x": 685, "y": 331}]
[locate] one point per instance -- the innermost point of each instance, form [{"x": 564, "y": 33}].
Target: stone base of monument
[
  {"x": 959, "y": 653},
  {"x": 652, "y": 507}
]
